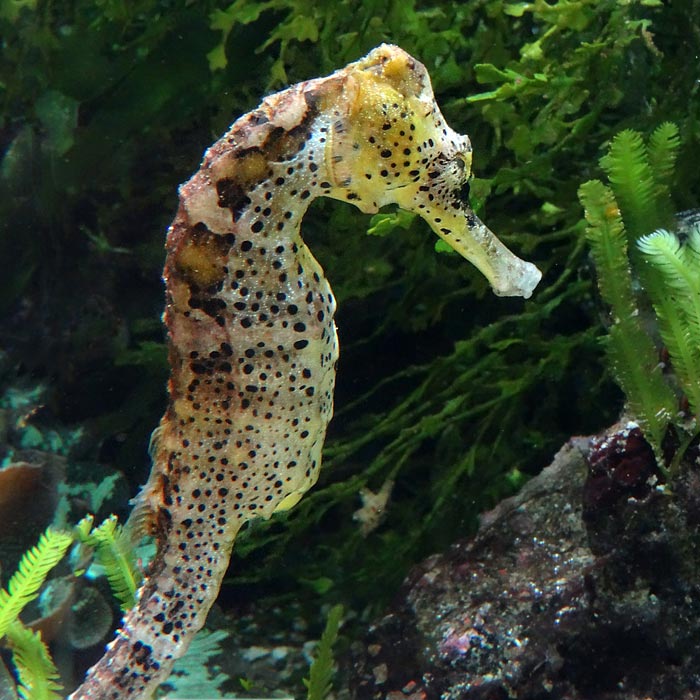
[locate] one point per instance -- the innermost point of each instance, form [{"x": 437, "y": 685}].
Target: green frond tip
[
  {"x": 319, "y": 682},
  {"x": 677, "y": 264},
  {"x": 38, "y": 676},
  {"x": 114, "y": 553},
  {"x": 660, "y": 240},
  {"x": 83, "y": 528},
  {"x": 663, "y": 150},
  {"x": 31, "y": 572},
  {"x": 631, "y": 176}
]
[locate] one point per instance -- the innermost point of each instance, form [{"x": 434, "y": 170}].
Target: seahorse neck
[{"x": 268, "y": 187}]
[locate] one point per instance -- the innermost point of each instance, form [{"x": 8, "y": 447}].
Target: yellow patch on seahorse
[
  {"x": 251, "y": 168},
  {"x": 289, "y": 501},
  {"x": 198, "y": 264}
]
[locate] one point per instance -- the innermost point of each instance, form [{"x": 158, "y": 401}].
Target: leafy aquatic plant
[
  {"x": 631, "y": 352},
  {"x": 196, "y": 675},
  {"x": 24, "y": 584},
  {"x": 115, "y": 553},
  {"x": 676, "y": 300},
  {"x": 628, "y": 244},
  {"x": 319, "y": 682},
  {"x": 38, "y": 677},
  {"x": 37, "y": 672},
  {"x": 640, "y": 175}
]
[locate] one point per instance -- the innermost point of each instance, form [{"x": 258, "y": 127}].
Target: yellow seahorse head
[{"x": 391, "y": 145}]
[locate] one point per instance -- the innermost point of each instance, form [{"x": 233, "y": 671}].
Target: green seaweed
[
  {"x": 633, "y": 356},
  {"x": 320, "y": 681},
  {"x": 195, "y": 675},
  {"x": 641, "y": 176},
  {"x": 115, "y": 554},
  {"x": 24, "y": 584},
  {"x": 641, "y": 190},
  {"x": 676, "y": 300},
  {"x": 38, "y": 675}
]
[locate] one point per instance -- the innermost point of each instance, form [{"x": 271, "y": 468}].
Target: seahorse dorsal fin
[{"x": 142, "y": 521}]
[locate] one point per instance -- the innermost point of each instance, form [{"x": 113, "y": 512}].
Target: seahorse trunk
[
  {"x": 252, "y": 341},
  {"x": 154, "y": 634}
]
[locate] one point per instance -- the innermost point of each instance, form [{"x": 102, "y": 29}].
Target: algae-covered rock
[{"x": 533, "y": 607}]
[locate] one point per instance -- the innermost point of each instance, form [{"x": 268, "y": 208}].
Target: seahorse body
[{"x": 249, "y": 313}]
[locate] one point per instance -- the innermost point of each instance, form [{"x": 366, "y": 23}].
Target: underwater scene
[{"x": 350, "y": 350}]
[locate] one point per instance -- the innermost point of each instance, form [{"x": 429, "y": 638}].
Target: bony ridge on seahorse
[{"x": 252, "y": 341}]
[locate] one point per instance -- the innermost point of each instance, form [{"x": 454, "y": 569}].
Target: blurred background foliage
[{"x": 450, "y": 393}]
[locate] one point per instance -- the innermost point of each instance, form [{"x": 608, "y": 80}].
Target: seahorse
[{"x": 252, "y": 341}]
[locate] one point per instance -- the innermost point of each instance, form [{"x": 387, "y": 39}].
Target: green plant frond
[
  {"x": 319, "y": 682},
  {"x": 677, "y": 304},
  {"x": 38, "y": 676},
  {"x": 663, "y": 250},
  {"x": 114, "y": 552},
  {"x": 637, "y": 370},
  {"x": 663, "y": 150},
  {"x": 197, "y": 674},
  {"x": 651, "y": 243},
  {"x": 631, "y": 351},
  {"x": 692, "y": 247},
  {"x": 83, "y": 528},
  {"x": 31, "y": 572},
  {"x": 632, "y": 180},
  {"x": 606, "y": 236},
  {"x": 678, "y": 265},
  {"x": 681, "y": 340}
]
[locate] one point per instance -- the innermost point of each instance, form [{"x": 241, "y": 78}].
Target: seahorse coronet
[{"x": 252, "y": 341}]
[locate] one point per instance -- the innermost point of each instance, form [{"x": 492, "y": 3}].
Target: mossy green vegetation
[
  {"x": 454, "y": 395},
  {"x": 635, "y": 257}
]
